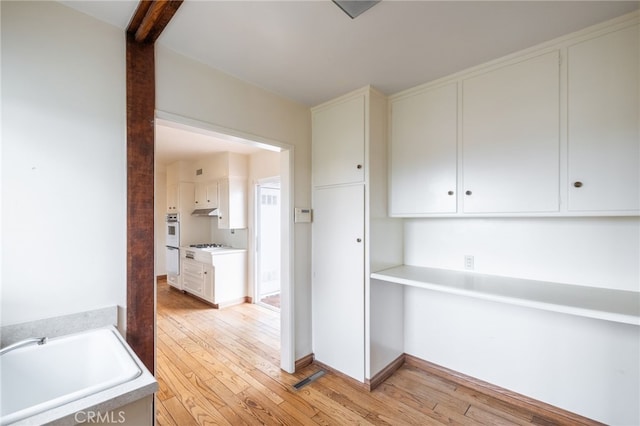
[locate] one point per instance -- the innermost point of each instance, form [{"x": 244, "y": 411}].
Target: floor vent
[{"x": 304, "y": 382}]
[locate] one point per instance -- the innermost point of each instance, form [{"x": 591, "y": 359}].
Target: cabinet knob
[
  {"x": 196, "y": 202},
  {"x": 359, "y": 166},
  {"x": 468, "y": 192},
  {"x": 359, "y": 240},
  {"x": 450, "y": 192},
  {"x": 577, "y": 184}
]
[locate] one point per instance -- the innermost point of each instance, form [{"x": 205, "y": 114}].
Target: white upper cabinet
[
  {"x": 550, "y": 131},
  {"x": 172, "y": 198},
  {"x": 603, "y": 115},
  {"x": 338, "y": 142},
  {"x": 423, "y": 159},
  {"x": 511, "y": 138},
  {"x": 206, "y": 195},
  {"x": 232, "y": 203}
]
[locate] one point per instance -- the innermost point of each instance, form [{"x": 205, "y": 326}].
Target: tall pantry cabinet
[{"x": 349, "y": 201}]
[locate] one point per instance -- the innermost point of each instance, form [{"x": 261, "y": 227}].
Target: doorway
[
  {"x": 268, "y": 246},
  {"x": 285, "y": 173}
]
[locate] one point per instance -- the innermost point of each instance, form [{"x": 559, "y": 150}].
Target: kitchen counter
[{"x": 218, "y": 275}]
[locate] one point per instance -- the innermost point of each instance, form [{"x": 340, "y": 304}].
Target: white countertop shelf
[{"x": 592, "y": 302}]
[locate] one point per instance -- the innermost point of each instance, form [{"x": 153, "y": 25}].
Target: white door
[
  {"x": 338, "y": 278},
  {"x": 268, "y": 262}
]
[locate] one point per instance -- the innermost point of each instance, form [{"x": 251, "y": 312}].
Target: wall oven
[{"x": 173, "y": 230}]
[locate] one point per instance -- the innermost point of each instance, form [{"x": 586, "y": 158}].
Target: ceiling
[
  {"x": 179, "y": 142},
  {"x": 311, "y": 51}
]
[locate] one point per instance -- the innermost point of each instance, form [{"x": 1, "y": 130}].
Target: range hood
[{"x": 205, "y": 212}]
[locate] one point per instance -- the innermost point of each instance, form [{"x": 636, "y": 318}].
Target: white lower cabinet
[
  {"x": 229, "y": 282},
  {"x": 197, "y": 278},
  {"x": 338, "y": 278},
  {"x": 218, "y": 278}
]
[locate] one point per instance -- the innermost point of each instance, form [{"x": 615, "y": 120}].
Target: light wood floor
[{"x": 221, "y": 367}]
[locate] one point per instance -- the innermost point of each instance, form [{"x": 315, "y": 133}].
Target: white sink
[{"x": 37, "y": 378}]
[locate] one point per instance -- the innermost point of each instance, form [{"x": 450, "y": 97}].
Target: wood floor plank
[
  {"x": 178, "y": 413},
  {"x": 191, "y": 398},
  {"x": 266, "y": 410},
  {"x": 490, "y": 404},
  {"x": 222, "y": 367},
  {"x": 487, "y": 418},
  {"x": 163, "y": 418},
  {"x": 376, "y": 407},
  {"x": 164, "y": 392}
]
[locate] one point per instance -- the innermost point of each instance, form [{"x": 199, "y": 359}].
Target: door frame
[
  {"x": 287, "y": 326},
  {"x": 256, "y": 220}
]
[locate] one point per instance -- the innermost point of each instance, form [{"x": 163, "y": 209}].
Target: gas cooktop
[{"x": 206, "y": 245}]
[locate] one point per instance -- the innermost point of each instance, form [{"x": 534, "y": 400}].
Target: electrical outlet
[{"x": 468, "y": 262}]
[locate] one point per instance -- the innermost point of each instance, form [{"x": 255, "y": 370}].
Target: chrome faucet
[{"x": 38, "y": 340}]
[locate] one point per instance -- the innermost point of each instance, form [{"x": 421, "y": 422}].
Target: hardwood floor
[{"x": 221, "y": 367}]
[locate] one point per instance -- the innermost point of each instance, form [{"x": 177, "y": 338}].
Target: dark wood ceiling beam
[
  {"x": 138, "y": 16},
  {"x": 146, "y": 25},
  {"x": 151, "y": 18}
]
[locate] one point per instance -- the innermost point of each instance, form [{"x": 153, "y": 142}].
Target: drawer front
[
  {"x": 193, "y": 269},
  {"x": 192, "y": 284}
]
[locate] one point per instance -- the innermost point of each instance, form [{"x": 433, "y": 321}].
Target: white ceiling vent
[{"x": 354, "y": 8}]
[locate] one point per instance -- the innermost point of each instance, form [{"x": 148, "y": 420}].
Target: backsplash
[
  {"x": 237, "y": 238},
  {"x": 59, "y": 326}
]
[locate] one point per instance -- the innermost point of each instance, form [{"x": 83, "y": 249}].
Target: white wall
[
  {"x": 193, "y": 90},
  {"x": 63, "y": 162},
  {"x": 599, "y": 252},
  {"x": 583, "y": 365},
  {"x": 160, "y": 213}
]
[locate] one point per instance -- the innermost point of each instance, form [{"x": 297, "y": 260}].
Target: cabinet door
[
  {"x": 206, "y": 195},
  {"x": 338, "y": 143},
  {"x": 211, "y": 193},
  {"x": 604, "y": 143},
  {"x": 172, "y": 198},
  {"x": 200, "y": 196},
  {"x": 511, "y": 144},
  {"x": 232, "y": 204},
  {"x": 208, "y": 283},
  {"x": 338, "y": 278},
  {"x": 423, "y": 152},
  {"x": 223, "y": 204}
]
